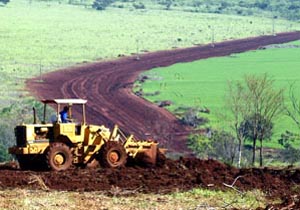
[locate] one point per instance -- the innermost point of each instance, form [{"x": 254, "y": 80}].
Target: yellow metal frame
[{"x": 34, "y": 148}]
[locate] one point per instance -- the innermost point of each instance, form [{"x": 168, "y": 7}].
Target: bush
[
  {"x": 4, "y": 156},
  {"x": 191, "y": 118},
  {"x": 221, "y": 145},
  {"x": 13, "y": 115},
  {"x": 289, "y": 154},
  {"x": 101, "y": 4},
  {"x": 139, "y": 5}
]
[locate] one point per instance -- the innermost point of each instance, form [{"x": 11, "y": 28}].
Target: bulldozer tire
[
  {"x": 24, "y": 162},
  {"x": 32, "y": 162},
  {"x": 59, "y": 157},
  {"x": 112, "y": 155}
]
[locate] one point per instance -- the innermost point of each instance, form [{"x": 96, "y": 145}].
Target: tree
[
  {"x": 262, "y": 4},
  {"x": 139, "y": 5},
  {"x": 101, "y": 4},
  {"x": 266, "y": 103},
  {"x": 257, "y": 128},
  {"x": 258, "y": 100},
  {"x": 16, "y": 113},
  {"x": 4, "y": 156},
  {"x": 4, "y": 1},
  {"x": 238, "y": 109},
  {"x": 292, "y": 110},
  {"x": 167, "y": 3}
]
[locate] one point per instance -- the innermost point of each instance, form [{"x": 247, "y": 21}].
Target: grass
[
  {"x": 203, "y": 83},
  {"x": 194, "y": 199},
  {"x": 39, "y": 37}
]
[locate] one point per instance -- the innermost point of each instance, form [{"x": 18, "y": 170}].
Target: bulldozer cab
[
  {"x": 66, "y": 106},
  {"x": 64, "y": 121}
]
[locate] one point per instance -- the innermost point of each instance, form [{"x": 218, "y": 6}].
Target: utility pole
[
  {"x": 273, "y": 25},
  {"x": 41, "y": 79},
  {"x": 40, "y": 65},
  {"x": 212, "y": 35},
  {"x": 137, "y": 49}
]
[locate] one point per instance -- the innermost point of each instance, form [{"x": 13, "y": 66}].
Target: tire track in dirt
[{"x": 107, "y": 87}]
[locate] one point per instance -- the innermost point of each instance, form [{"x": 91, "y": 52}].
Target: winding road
[{"x": 107, "y": 86}]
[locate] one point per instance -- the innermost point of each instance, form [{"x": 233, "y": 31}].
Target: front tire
[
  {"x": 112, "y": 155},
  {"x": 59, "y": 157}
]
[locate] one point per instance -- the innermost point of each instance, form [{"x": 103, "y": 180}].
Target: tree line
[
  {"x": 4, "y": 1},
  {"x": 289, "y": 9}
]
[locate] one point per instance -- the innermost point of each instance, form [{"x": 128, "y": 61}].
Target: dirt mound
[{"x": 175, "y": 175}]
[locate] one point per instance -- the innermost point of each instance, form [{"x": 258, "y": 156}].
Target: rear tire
[
  {"x": 112, "y": 155},
  {"x": 24, "y": 162},
  {"x": 32, "y": 162},
  {"x": 59, "y": 157}
]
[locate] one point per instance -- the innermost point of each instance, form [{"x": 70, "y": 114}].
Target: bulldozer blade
[
  {"x": 147, "y": 156},
  {"x": 162, "y": 150}
]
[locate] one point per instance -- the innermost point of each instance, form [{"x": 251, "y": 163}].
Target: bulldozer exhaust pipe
[{"x": 34, "y": 115}]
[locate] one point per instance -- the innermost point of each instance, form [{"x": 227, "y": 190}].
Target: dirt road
[{"x": 107, "y": 86}]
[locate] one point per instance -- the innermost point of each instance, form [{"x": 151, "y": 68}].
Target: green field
[
  {"x": 203, "y": 83},
  {"x": 38, "y": 37}
]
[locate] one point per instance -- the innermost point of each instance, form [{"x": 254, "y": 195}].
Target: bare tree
[
  {"x": 294, "y": 110},
  {"x": 256, "y": 98},
  {"x": 236, "y": 103},
  {"x": 266, "y": 103}
]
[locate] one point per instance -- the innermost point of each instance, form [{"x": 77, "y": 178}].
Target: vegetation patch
[
  {"x": 204, "y": 83},
  {"x": 197, "y": 198}
]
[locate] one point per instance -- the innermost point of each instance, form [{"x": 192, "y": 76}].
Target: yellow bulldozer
[{"x": 58, "y": 144}]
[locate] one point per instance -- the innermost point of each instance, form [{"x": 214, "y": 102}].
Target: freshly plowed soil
[
  {"x": 107, "y": 86},
  {"x": 175, "y": 175}
]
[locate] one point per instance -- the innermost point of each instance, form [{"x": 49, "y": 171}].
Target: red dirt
[
  {"x": 180, "y": 175},
  {"x": 107, "y": 86}
]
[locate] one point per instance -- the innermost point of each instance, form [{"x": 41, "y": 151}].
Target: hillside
[
  {"x": 42, "y": 36},
  {"x": 111, "y": 83}
]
